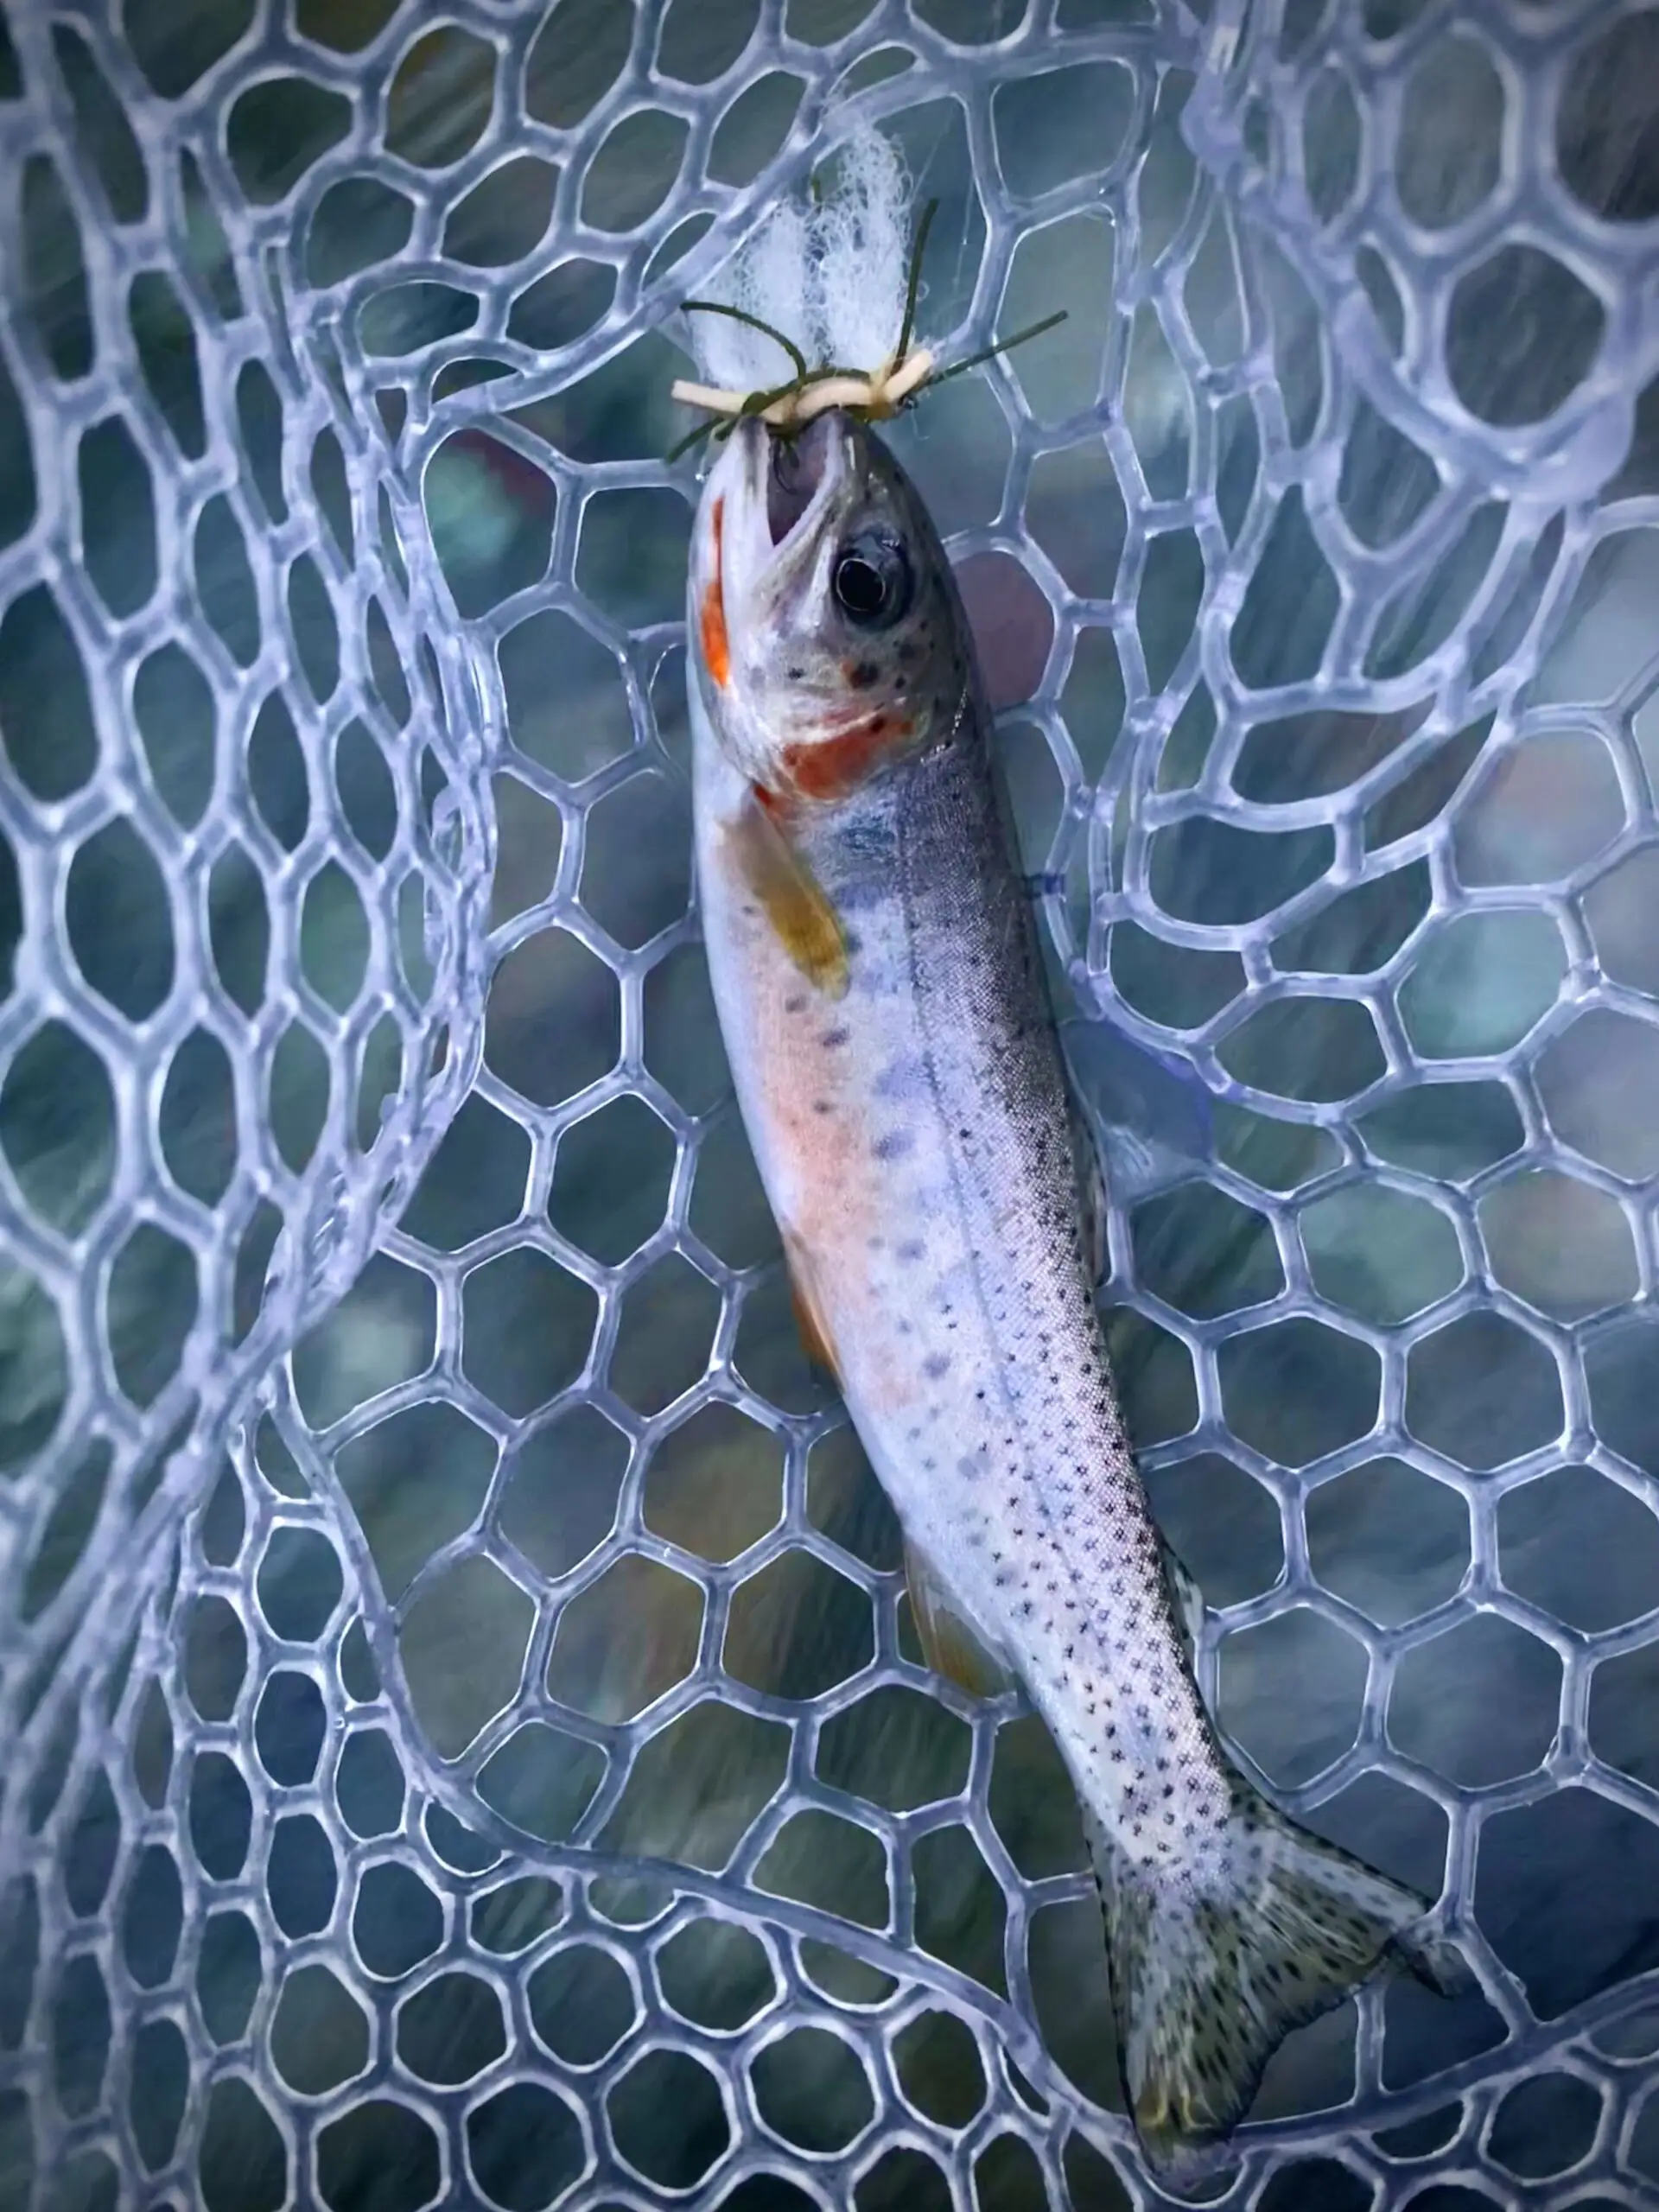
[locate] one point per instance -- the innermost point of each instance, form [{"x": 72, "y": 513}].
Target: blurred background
[{"x": 467, "y": 1740}]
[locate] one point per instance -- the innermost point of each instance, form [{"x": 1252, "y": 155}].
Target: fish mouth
[
  {"x": 796, "y": 469},
  {"x": 769, "y": 505},
  {"x": 784, "y": 487}
]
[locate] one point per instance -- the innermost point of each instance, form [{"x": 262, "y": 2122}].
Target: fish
[{"x": 937, "y": 1186}]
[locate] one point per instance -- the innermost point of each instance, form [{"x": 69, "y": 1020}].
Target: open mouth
[{"x": 795, "y": 474}]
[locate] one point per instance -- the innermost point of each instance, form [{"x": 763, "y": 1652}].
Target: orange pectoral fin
[{"x": 806, "y": 924}]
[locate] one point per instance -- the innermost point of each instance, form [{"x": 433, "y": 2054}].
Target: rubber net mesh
[{"x": 463, "y": 1736}]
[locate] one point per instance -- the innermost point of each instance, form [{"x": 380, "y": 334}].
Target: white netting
[{"x": 461, "y": 1734}]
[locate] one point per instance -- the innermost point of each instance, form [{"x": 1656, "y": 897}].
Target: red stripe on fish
[{"x": 716, "y": 647}]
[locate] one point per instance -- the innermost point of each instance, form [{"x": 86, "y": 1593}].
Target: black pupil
[{"x": 860, "y": 586}]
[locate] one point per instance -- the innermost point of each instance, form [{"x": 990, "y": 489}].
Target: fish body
[{"x": 879, "y": 985}]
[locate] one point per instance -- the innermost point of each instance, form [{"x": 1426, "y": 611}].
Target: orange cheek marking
[
  {"x": 836, "y": 765},
  {"x": 716, "y": 647}
]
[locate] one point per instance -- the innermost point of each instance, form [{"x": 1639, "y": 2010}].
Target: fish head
[{"x": 829, "y": 639}]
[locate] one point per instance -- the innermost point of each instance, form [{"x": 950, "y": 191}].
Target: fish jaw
[
  {"x": 739, "y": 579},
  {"x": 729, "y": 547}
]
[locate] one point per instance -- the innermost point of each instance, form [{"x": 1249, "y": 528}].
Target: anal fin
[
  {"x": 950, "y": 1645},
  {"x": 794, "y": 901}
]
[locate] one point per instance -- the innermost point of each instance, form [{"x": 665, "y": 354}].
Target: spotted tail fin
[{"x": 1214, "y": 1961}]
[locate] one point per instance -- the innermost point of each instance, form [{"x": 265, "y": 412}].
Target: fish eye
[{"x": 872, "y": 582}]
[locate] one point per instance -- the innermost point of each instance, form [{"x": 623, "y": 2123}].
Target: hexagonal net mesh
[{"x": 465, "y": 1739}]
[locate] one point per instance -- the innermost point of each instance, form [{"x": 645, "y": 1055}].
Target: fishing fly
[{"x": 833, "y": 263}]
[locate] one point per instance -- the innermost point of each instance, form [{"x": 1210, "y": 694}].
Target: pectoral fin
[
  {"x": 792, "y": 899},
  {"x": 1148, "y": 1114},
  {"x": 950, "y": 1645}
]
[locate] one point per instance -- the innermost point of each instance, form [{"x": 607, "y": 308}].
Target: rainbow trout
[{"x": 879, "y": 983}]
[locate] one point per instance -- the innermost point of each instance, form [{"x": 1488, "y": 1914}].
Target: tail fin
[{"x": 1214, "y": 1962}]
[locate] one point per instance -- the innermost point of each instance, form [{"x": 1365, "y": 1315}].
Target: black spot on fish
[
  {"x": 795, "y": 1004},
  {"x": 832, "y": 1038},
  {"x": 862, "y": 674},
  {"x": 936, "y": 1364},
  {"x": 794, "y": 674},
  {"x": 893, "y": 1146}
]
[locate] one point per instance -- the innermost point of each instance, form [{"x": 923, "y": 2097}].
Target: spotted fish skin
[
  {"x": 915, "y": 1136},
  {"x": 911, "y": 1121}
]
